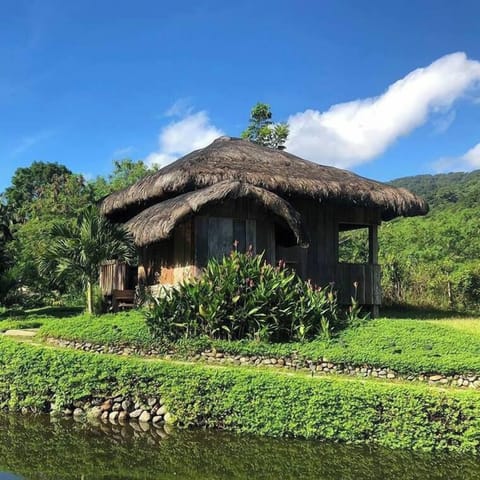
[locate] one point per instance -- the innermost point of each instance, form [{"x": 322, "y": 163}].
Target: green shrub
[
  {"x": 248, "y": 400},
  {"x": 241, "y": 296}
]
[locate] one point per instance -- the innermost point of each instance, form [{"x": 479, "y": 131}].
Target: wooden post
[
  {"x": 373, "y": 244},
  {"x": 373, "y": 260}
]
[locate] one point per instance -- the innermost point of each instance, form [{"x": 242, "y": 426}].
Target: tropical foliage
[
  {"x": 75, "y": 250},
  {"x": 241, "y": 296},
  {"x": 39, "y": 197}
]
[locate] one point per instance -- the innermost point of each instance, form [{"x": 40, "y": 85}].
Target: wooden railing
[{"x": 365, "y": 276}]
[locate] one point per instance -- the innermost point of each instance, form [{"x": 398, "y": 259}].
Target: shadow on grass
[
  {"x": 415, "y": 312},
  {"x": 50, "y": 312}
]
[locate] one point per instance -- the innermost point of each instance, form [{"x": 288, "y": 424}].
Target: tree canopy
[{"x": 263, "y": 131}]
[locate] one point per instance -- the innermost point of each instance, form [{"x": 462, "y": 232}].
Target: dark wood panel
[
  {"x": 220, "y": 236},
  {"x": 201, "y": 241}
]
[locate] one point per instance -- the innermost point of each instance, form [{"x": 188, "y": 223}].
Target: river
[{"x": 39, "y": 448}]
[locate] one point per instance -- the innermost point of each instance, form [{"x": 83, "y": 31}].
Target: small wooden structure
[{"x": 237, "y": 191}]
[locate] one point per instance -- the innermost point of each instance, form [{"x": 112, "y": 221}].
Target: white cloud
[
  {"x": 192, "y": 132},
  {"x": 442, "y": 123},
  {"x": 180, "y": 108},
  {"x": 465, "y": 162},
  {"x": 355, "y": 132}
]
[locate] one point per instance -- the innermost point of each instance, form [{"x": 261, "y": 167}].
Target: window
[{"x": 353, "y": 243}]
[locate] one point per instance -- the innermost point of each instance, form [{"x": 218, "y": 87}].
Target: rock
[
  {"x": 157, "y": 419},
  {"x": 145, "y": 417},
  {"x": 281, "y": 362},
  {"x": 151, "y": 401},
  {"x": 123, "y": 416},
  {"x": 390, "y": 375},
  {"x": 162, "y": 410},
  {"x": 106, "y": 405},
  {"x": 435, "y": 378},
  {"x": 105, "y": 415},
  {"x": 94, "y": 412},
  {"x": 118, "y": 399},
  {"x": 136, "y": 413},
  {"x": 113, "y": 416},
  {"x": 126, "y": 405},
  {"x": 116, "y": 407},
  {"x": 78, "y": 412},
  {"x": 169, "y": 418},
  {"x": 24, "y": 411}
]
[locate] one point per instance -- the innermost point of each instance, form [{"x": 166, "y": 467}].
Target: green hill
[{"x": 435, "y": 260}]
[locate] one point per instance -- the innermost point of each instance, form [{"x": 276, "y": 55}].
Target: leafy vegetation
[
  {"x": 249, "y": 401},
  {"x": 432, "y": 260},
  {"x": 408, "y": 346},
  {"x": 75, "y": 250},
  {"x": 263, "y": 131},
  {"x": 241, "y": 296},
  {"x": 40, "y": 197}
]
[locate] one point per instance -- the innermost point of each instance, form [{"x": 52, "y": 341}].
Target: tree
[
  {"x": 125, "y": 173},
  {"x": 76, "y": 250},
  {"x": 28, "y": 184},
  {"x": 263, "y": 131}
]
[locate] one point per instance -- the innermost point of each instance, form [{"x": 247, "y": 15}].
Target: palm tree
[{"x": 78, "y": 248}]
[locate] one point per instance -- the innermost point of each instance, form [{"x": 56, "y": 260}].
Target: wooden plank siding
[{"x": 213, "y": 232}]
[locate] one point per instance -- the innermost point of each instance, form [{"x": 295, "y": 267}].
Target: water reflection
[{"x": 39, "y": 448}]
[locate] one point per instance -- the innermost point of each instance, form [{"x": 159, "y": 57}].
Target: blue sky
[{"x": 82, "y": 83}]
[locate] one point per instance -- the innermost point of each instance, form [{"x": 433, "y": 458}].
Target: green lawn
[{"x": 406, "y": 345}]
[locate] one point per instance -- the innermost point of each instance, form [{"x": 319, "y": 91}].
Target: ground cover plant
[
  {"x": 406, "y": 345},
  {"x": 248, "y": 400}
]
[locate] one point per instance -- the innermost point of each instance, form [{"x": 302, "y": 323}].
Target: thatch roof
[
  {"x": 158, "y": 221},
  {"x": 278, "y": 171}
]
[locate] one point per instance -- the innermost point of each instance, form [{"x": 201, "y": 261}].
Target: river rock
[
  {"x": 106, "y": 405},
  {"x": 145, "y": 417},
  {"x": 157, "y": 419},
  {"x": 122, "y": 416},
  {"x": 162, "y": 410},
  {"x": 136, "y": 413},
  {"x": 78, "y": 412},
  {"x": 113, "y": 416}
]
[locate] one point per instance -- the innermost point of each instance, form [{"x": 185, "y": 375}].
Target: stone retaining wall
[
  {"x": 322, "y": 366},
  {"x": 120, "y": 409}
]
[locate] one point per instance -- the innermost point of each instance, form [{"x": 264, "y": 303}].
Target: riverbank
[
  {"x": 245, "y": 400},
  {"x": 54, "y": 448}
]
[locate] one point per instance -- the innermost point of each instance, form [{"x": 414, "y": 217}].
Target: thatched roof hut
[{"x": 233, "y": 189}]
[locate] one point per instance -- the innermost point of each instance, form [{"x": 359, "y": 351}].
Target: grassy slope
[
  {"x": 246, "y": 400},
  {"x": 408, "y": 346}
]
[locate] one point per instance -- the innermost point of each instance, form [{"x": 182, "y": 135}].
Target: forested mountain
[
  {"x": 445, "y": 188},
  {"x": 436, "y": 259}
]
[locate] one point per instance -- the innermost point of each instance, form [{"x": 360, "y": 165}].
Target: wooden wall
[{"x": 213, "y": 233}]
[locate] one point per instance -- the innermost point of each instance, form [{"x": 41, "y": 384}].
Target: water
[{"x": 37, "y": 448}]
